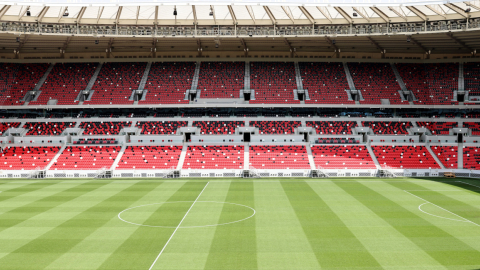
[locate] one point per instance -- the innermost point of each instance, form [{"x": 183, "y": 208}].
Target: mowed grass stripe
[
  {"x": 281, "y": 241},
  {"x": 143, "y": 246},
  {"x": 45, "y": 249},
  {"x": 234, "y": 245},
  {"x": 440, "y": 245},
  {"x": 25, "y": 190},
  {"x": 388, "y": 246},
  {"x": 334, "y": 244}
]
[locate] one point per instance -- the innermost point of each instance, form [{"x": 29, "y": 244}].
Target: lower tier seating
[
  {"x": 333, "y": 127},
  {"x": 388, "y": 128},
  {"x": 86, "y": 158},
  {"x": 405, "y": 157},
  {"x": 218, "y": 127},
  {"x": 160, "y": 127},
  {"x": 47, "y": 128},
  {"x": 150, "y": 157},
  {"x": 471, "y": 158},
  {"x": 7, "y": 125},
  {"x": 438, "y": 128},
  {"x": 27, "y": 157},
  {"x": 342, "y": 157},
  {"x": 448, "y": 155},
  {"x": 276, "y": 127},
  {"x": 214, "y": 157},
  {"x": 279, "y": 157}
]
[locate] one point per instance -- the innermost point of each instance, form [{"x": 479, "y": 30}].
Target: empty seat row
[
  {"x": 438, "y": 128},
  {"x": 47, "y": 128},
  {"x": 337, "y": 140},
  {"x": 388, "y": 128},
  {"x": 214, "y": 157},
  {"x": 333, "y": 127},
  {"x": 276, "y": 127},
  {"x": 150, "y": 157},
  {"x": 160, "y": 127},
  {"x": 27, "y": 157},
  {"x": 404, "y": 157},
  {"x": 218, "y": 127},
  {"x": 221, "y": 79},
  {"x": 279, "y": 157},
  {"x": 86, "y": 158},
  {"x": 342, "y": 157},
  {"x": 103, "y": 127}
]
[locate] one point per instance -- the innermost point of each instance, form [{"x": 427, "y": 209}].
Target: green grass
[{"x": 355, "y": 223}]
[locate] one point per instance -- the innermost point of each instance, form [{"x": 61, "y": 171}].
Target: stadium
[{"x": 239, "y": 135}]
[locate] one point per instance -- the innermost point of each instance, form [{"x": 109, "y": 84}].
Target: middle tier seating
[
  {"x": 160, "y": 127},
  {"x": 448, "y": 155},
  {"x": 333, "y": 127},
  {"x": 276, "y": 127},
  {"x": 7, "y": 125},
  {"x": 405, "y": 157},
  {"x": 221, "y": 79},
  {"x": 96, "y": 141},
  {"x": 103, "y": 128},
  {"x": 342, "y": 157},
  {"x": 218, "y": 127},
  {"x": 150, "y": 157},
  {"x": 474, "y": 126},
  {"x": 27, "y": 157},
  {"x": 279, "y": 157},
  {"x": 214, "y": 157},
  {"x": 47, "y": 128},
  {"x": 471, "y": 158},
  {"x": 388, "y": 128},
  {"x": 116, "y": 82},
  {"x": 471, "y": 74},
  {"x": 438, "y": 128},
  {"x": 337, "y": 141},
  {"x": 273, "y": 82},
  {"x": 86, "y": 158},
  {"x": 376, "y": 81}
]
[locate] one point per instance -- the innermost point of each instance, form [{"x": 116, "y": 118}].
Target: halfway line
[{"x": 177, "y": 227}]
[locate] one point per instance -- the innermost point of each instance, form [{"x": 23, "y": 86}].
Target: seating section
[
  {"x": 150, "y": 157},
  {"x": 276, "y": 127},
  {"x": 160, "y": 127},
  {"x": 474, "y": 126},
  {"x": 333, "y": 127},
  {"x": 27, "y": 157},
  {"x": 96, "y": 141},
  {"x": 115, "y": 83},
  {"x": 86, "y": 158},
  {"x": 471, "y": 158},
  {"x": 438, "y": 128},
  {"x": 221, "y": 79},
  {"x": 273, "y": 82},
  {"x": 65, "y": 82},
  {"x": 405, "y": 157},
  {"x": 47, "y": 128},
  {"x": 342, "y": 157},
  {"x": 17, "y": 80},
  {"x": 218, "y": 127},
  {"x": 326, "y": 83},
  {"x": 168, "y": 82},
  {"x": 337, "y": 141},
  {"x": 388, "y": 128},
  {"x": 103, "y": 128},
  {"x": 214, "y": 157},
  {"x": 6, "y": 125},
  {"x": 471, "y": 78},
  {"x": 376, "y": 81},
  {"x": 279, "y": 157},
  {"x": 448, "y": 155}
]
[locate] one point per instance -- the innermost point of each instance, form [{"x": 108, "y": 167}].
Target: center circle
[{"x": 169, "y": 214}]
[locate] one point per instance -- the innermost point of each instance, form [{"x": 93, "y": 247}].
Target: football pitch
[{"x": 219, "y": 223}]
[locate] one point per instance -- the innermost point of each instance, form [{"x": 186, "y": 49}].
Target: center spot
[{"x": 202, "y": 214}]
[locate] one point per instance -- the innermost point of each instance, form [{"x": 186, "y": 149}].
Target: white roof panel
[
  {"x": 316, "y": 14},
  {"x": 147, "y": 13},
  {"x": 91, "y": 12},
  {"x": 241, "y": 12},
  {"x": 109, "y": 12},
  {"x": 129, "y": 13}
]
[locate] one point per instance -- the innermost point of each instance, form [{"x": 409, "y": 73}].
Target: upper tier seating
[
  {"x": 376, "y": 81},
  {"x": 389, "y": 128},
  {"x": 325, "y": 82},
  {"x": 273, "y": 82},
  {"x": 431, "y": 83},
  {"x": 214, "y": 157},
  {"x": 17, "y": 80},
  {"x": 471, "y": 77},
  {"x": 221, "y": 79},
  {"x": 405, "y": 157},
  {"x": 65, "y": 82},
  {"x": 7, "y": 125},
  {"x": 27, "y": 157},
  {"x": 150, "y": 157},
  {"x": 276, "y": 127},
  {"x": 86, "y": 158},
  {"x": 474, "y": 126},
  {"x": 471, "y": 158},
  {"x": 168, "y": 82},
  {"x": 218, "y": 127},
  {"x": 333, "y": 127},
  {"x": 438, "y": 128},
  {"x": 448, "y": 155},
  {"x": 103, "y": 128},
  {"x": 160, "y": 127},
  {"x": 115, "y": 83},
  {"x": 342, "y": 157},
  {"x": 279, "y": 157},
  {"x": 47, "y": 128}
]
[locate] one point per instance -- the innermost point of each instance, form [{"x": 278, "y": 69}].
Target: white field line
[
  {"x": 469, "y": 184},
  {"x": 179, "y": 224},
  {"x": 419, "y": 207}
]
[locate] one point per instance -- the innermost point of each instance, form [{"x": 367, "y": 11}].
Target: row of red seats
[
  {"x": 390, "y": 128},
  {"x": 27, "y": 157},
  {"x": 7, "y": 125},
  {"x": 438, "y": 128},
  {"x": 47, "y": 128},
  {"x": 214, "y": 157},
  {"x": 342, "y": 157},
  {"x": 471, "y": 158},
  {"x": 160, "y": 127},
  {"x": 276, "y": 127},
  {"x": 86, "y": 158},
  {"x": 96, "y": 141},
  {"x": 448, "y": 155},
  {"x": 404, "y": 157},
  {"x": 150, "y": 157},
  {"x": 103, "y": 127},
  {"x": 471, "y": 78},
  {"x": 279, "y": 157},
  {"x": 221, "y": 79},
  {"x": 218, "y": 127},
  {"x": 333, "y": 127},
  {"x": 273, "y": 82},
  {"x": 474, "y": 126}
]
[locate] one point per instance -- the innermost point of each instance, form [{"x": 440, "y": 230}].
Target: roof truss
[
  {"x": 399, "y": 12},
  {"x": 417, "y": 12},
  {"x": 457, "y": 10},
  {"x": 325, "y": 13},
  {"x": 362, "y": 12},
  {"x": 307, "y": 14},
  {"x": 381, "y": 14},
  {"x": 344, "y": 14},
  {"x": 250, "y": 11},
  {"x": 460, "y": 42},
  {"x": 288, "y": 11},
  {"x": 437, "y": 9},
  {"x": 270, "y": 15}
]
